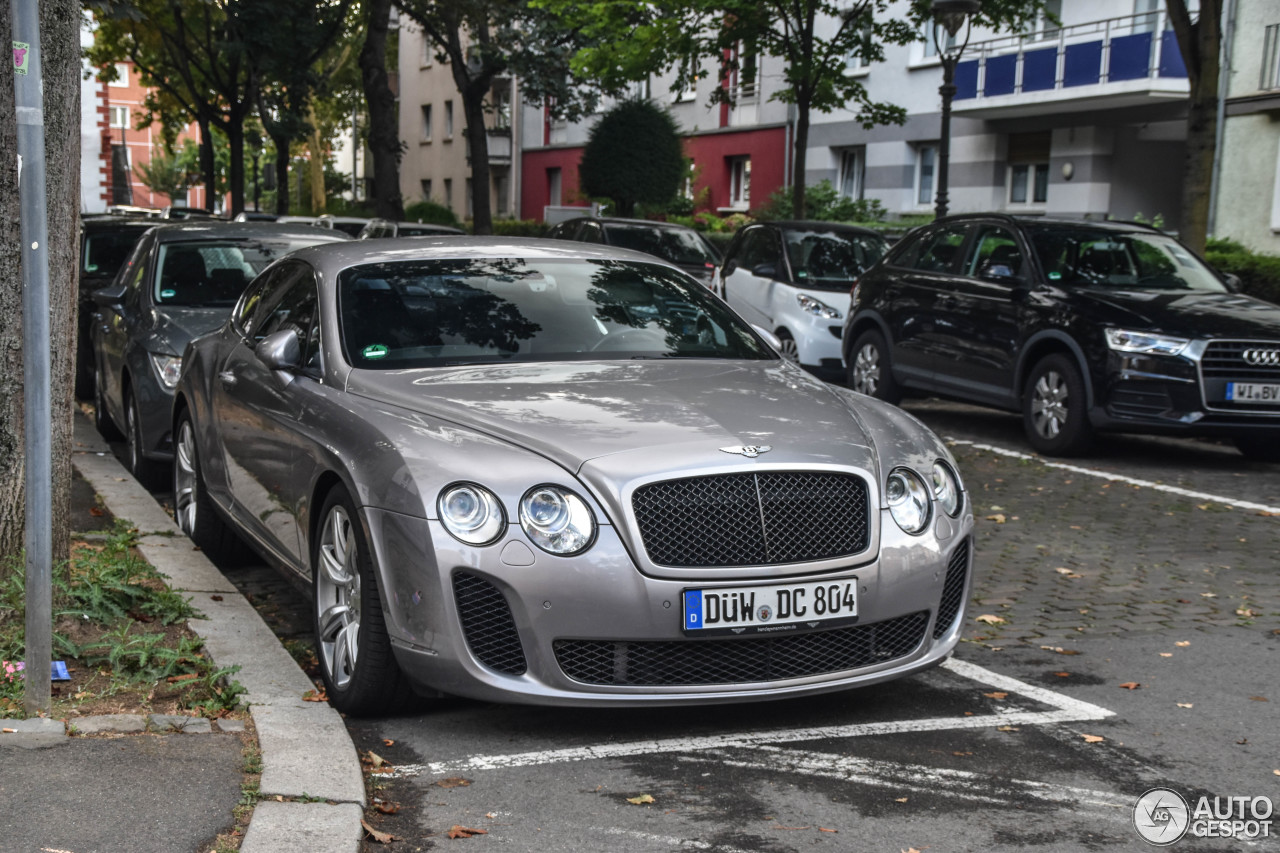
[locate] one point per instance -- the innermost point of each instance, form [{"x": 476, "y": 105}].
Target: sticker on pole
[{"x": 21, "y": 57}]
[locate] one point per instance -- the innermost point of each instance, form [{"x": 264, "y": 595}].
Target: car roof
[
  {"x": 204, "y": 230},
  {"x": 611, "y": 220},
  {"x": 333, "y": 258},
  {"x": 117, "y": 223},
  {"x": 820, "y": 225},
  {"x": 1116, "y": 225}
]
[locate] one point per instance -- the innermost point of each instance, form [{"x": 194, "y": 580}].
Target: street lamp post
[
  {"x": 255, "y": 145},
  {"x": 951, "y": 15}
]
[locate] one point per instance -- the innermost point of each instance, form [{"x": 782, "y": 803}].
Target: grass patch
[{"x": 122, "y": 633}]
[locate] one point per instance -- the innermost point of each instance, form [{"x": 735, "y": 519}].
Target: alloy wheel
[
  {"x": 789, "y": 350},
  {"x": 1049, "y": 404},
  {"x": 866, "y": 370},
  {"x": 185, "y": 479},
  {"x": 338, "y": 598}
]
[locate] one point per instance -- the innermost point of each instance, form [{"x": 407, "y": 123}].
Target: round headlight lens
[
  {"x": 471, "y": 513},
  {"x": 946, "y": 489},
  {"x": 908, "y": 500},
  {"x": 557, "y": 520}
]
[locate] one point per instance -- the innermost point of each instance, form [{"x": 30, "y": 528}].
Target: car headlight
[
  {"x": 471, "y": 513},
  {"x": 820, "y": 309},
  {"x": 946, "y": 489},
  {"x": 168, "y": 368},
  {"x": 1122, "y": 340},
  {"x": 557, "y": 520},
  {"x": 908, "y": 500}
]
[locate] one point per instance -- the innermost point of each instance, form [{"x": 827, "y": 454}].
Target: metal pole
[
  {"x": 948, "y": 91},
  {"x": 37, "y": 407}
]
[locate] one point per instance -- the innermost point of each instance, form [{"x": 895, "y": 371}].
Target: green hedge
[
  {"x": 1259, "y": 273},
  {"x": 518, "y": 228}
]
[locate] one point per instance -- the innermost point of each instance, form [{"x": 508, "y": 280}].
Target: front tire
[
  {"x": 101, "y": 417},
  {"x": 146, "y": 471},
  {"x": 1054, "y": 411},
  {"x": 192, "y": 506},
  {"x": 361, "y": 676},
  {"x": 870, "y": 371}
]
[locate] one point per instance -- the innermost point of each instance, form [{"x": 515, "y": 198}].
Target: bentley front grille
[{"x": 488, "y": 625}]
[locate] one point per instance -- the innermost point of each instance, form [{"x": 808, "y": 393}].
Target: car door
[
  {"x": 749, "y": 275},
  {"x": 925, "y": 278},
  {"x": 255, "y": 412},
  {"x": 115, "y": 323},
  {"x": 980, "y": 317}
]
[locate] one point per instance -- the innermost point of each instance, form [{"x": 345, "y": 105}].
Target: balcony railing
[{"x": 1132, "y": 47}]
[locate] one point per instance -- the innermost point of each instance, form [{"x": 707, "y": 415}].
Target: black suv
[{"x": 1081, "y": 326}]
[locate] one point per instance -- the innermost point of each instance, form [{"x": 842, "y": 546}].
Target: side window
[
  {"x": 591, "y": 233},
  {"x": 758, "y": 247},
  {"x": 993, "y": 245},
  {"x": 133, "y": 274},
  {"x": 939, "y": 250},
  {"x": 295, "y": 310},
  {"x": 275, "y": 291}
]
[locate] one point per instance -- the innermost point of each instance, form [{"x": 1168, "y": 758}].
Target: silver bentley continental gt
[{"x": 542, "y": 472}]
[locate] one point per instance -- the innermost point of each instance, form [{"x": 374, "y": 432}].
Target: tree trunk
[
  {"x": 384, "y": 134},
  {"x": 235, "y": 139},
  {"x": 60, "y": 66},
  {"x": 316, "y": 144},
  {"x": 1199, "y": 43},
  {"x": 208, "y": 169},
  {"x": 478, "y": 146},
  {"x": 798, "y": 166},
  {"x": 282, "y": 174},
  {"x": 12, "y": 493}
]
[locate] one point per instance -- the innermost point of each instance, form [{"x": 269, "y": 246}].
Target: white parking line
[
  {"x": 1064, "y": 710},
  {"x": 1119, "y": 478}
]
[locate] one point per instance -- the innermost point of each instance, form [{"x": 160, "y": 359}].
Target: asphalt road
[{"x": 1133, "y": 642}]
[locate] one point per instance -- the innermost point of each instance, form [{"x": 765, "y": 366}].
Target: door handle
[{"x": 228, "y": 379}]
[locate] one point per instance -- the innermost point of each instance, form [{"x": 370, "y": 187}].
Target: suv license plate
[
  {"x": 775, "y": 609},
  {"x": 1252, "y": 392}
]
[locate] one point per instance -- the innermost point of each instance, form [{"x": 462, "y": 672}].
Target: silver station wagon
[{"x": 541, "y": 472}]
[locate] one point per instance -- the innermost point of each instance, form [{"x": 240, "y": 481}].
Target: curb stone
[{"x": 305, "y": 746}]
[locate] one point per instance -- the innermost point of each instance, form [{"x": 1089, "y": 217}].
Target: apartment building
[{"x": 1247, "y": 196}]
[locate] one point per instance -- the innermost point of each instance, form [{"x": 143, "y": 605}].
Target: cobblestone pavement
[{"x": 1060, "y": 555}]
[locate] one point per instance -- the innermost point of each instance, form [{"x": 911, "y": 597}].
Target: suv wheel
[
  {"x": 870, "y": 372},
  {"x": 1053, "y": 407}
]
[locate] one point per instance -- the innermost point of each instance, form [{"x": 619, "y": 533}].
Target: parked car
[
  {"x": 105, "y": 244},
  {"x": 177, "y": 211},
  {"x": 180, "y": 281},
  {"x": 351, "y": 225},
  {"x": 527, "y": 471},
  {"x": 793, "y": 278},
  {"x": 387, "y": 228},
  {"x": 256, "y": 216},
  {"x": 1081, "y": 326},
  {"x": 675, "y": 244}
]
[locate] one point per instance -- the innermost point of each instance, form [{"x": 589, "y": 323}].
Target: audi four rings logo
[{"x": 1263, "y": 357}]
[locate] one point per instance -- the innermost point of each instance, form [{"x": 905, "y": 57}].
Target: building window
[
  {"x": 740, "y": 182},
  {"x": 448, "y": 119},
  {"x": 689, "y": 92},
  {"x": 501, "y": 190},
  {"x": 426, "y": 122},
  {"x": 1029, "y": 183},
  {"x": 856, "y": 59},
  {"x": 1043, "y": 27},
  {"x": 747, "y": 76},
  {"x": 852, "y": 165},
  {"x": 937, "y": 35},
  {"x": 1270, "y": 59},
  {"x": 120, "y": 117},
  {"x": 926, "y": 165},
  {"x": 640, "y": 90},
  {"x": 502, "y": 108},
  {"x": 1146, "y": 15},
  {"x": 427, "y": 57},
  {"x": 448, "y": 193},
  {"x": 553, "y": 187},
  {"x": 426, "y": 189},
  {"x": 122, "y": 76}
]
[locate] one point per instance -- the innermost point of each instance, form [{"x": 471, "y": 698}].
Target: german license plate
[
  {"x": 778, "y": 608},
  {"x": 1252, "y": 392}
]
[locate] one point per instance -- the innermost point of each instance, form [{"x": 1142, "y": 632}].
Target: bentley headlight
[
  {"x": 814, "y": 306},
  {"x": 471, "y": 513},
  {"x": 1122, "y": 340},
  {"x": 908, "y": 500},
  {"x": 946, "y": 489},
  {"x": 557, "y": 520},
  {"x": 168, "y": 368}
]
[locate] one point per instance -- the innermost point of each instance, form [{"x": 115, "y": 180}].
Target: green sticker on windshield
[
  {"x": 168, "y": 294},
  {"x": 375, "y": 351},
  {"x": 1055, "y": 275}
]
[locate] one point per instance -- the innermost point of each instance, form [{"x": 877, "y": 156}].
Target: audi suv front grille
[{"x": 1239, "y": 361}]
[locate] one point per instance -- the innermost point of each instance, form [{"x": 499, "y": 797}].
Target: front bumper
[{"x": 510, "y": 623}]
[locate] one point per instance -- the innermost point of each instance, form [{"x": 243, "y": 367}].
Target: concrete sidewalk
[{"x": 160, "y": 792}]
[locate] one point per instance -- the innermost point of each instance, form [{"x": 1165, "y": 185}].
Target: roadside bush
[
  {"x": 1259, "y": 273},
  {"x": 430, "y": 213},
  {"x": 518, "y": 228},
  {"x": 823, "y": 203}
]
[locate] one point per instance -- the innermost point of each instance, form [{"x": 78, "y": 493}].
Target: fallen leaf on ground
[
  {"x": 457, "y": 831},
  {"x": 824, "y": 829},
  {"x": 900, "y": 800},
  {"x": 1008, "y": 729},
  {"x": 174, "y": 679},
  {"x": 490, "y": 815},
  {"x": 1184, "y": 705},
  {"x": 1131, "y": 685},
  {"x": 1246, "y": 613},
  {"x": 1259, "y": 699},
  {"x": 386, "y": 808},
  {"x": 1060, "y": 650},
  {"x": 989, "y": 619},
  {"x": 1063, "y": 674},
  {"x": 998, "y": 518},
  {"x": 372, "y": 758},
  {"x": 1242, "y": 741},
  {"x": 996, "y": 695},
  {"x": 1183, "y": 643},
  {"x": 911, "y": 850},
  {"x": 380, "y": 837},
  {"x": 11, "y": 731},
  {"x": 314, "y": 696},
  {"x": 453, "y": 782},
  {"x": 641, "y": 800},
  {"x": 962, "y": 754},
  {"x": 791, "y": 827},
  {"x": 1093, "y": 738},
  {"x": 386, "y": 741},
  {"x": 1166, "y": 654},
  {"x": 1277, "y": 772},
  {"x": 96, "y": 512},
  {"x": 1208, "y": 595}
]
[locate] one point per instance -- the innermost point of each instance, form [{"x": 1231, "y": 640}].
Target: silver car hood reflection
[{"x": 652, "y": 415}]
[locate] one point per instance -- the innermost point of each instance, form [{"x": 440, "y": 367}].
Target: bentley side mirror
[{"x": 280, "y": 350}]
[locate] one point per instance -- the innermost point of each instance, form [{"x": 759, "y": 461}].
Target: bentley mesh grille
[
  {"x": 739, "y": 661},
  {"x": 752, "y": 519},
  {"x": 487, "y": 624},
  {"x": 952, "y": 590}
]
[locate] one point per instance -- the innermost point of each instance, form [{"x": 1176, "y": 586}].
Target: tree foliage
[
  {"x": 165, "y": 173},
  {"x": 633, "y": 155}
]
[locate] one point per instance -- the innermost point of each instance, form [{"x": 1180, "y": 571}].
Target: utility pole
[{"x": 36, "y": 362}]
